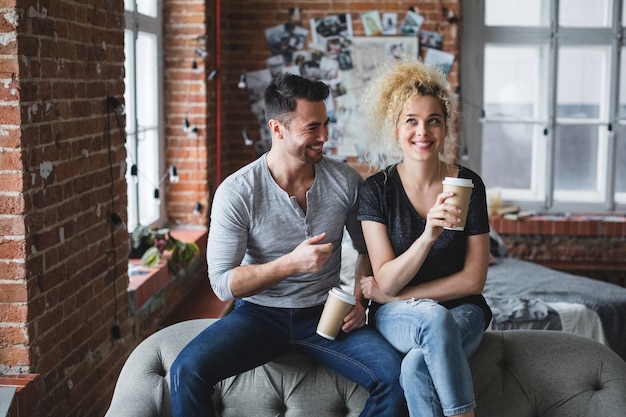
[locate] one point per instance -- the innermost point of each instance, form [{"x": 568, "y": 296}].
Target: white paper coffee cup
[
  {"x": 338, "y": 304},
  {"x": 462, "y": 189}
]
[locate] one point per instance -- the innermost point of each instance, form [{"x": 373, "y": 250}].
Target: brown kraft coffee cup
[
  {"x": 338, "y": 304},
  {"x": 462, "y": 189}
]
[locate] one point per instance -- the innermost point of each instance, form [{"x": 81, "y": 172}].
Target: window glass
[
  {"x": 143, "y": 120},
  {"x": 533, "y": 80},
  {"x": 131, "y": 135},
  {"x": 620, "y": 156},
  {"x": 148, "y": 165},
  {"x": 147, "y": 7},
  {"x": 144, "y": 7},
  {"x": 147, "y": 85},
  {"x": 622, "y": 88},
  {"x": 576, "y": 158},
  {"x": 620, "y": 167},
  {"x": 507, "y": 155},
  {"x": 147, "y": 126},
  {"x": 516, "y": 13},
  {"x": 584, "y": 13},
  {"x": 511, "y": 80},
  {"x": 581, "y": 79}
]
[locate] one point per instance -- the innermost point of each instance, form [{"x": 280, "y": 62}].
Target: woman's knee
[
  {"x": 433, "y": 316},
  {"x": 413, "y": 368}
]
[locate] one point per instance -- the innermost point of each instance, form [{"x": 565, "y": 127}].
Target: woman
[{"x": 427, "y": 283}]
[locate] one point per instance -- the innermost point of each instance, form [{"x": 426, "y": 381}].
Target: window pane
[
  {"x": 132, "y": 182},
  {"x": 129, "y": 5},
  {"x": 148, "y": 144},
  {"x": 576, "y": 158},
  {"x": 582, "y": 77},
  {"x": 622, "y": 89},
  {"x": 147, "y": 85},
  {"x": 620, "y": 162},
  {"x": 147, "y": 7},
  {"x": 148, "y": 165},
  {"x": 142, "y": 126},
  {"x": 516, "y": 13},
  {"x": 507, "y": 155},
  {"x": 131, "y": 137},
  {"x": 584, "y": 13},
  {"x": 511, "y": 79},
  {"x": 129, "y": 78}
]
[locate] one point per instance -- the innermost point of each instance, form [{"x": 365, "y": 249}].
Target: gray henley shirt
[{"x": 254, "y": 221}]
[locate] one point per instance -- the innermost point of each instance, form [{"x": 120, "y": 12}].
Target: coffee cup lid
[
  {"x": 343, "y": 295},
  {"x": 463, "y": 182}
]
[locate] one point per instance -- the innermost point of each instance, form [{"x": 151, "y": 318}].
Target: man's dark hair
[{"x": 280, "y": 96}]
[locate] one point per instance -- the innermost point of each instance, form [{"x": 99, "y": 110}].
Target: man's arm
[{"x": 309, "y": 256}]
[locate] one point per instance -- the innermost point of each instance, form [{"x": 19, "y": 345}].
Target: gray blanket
[{"x": 520, "y": 281}]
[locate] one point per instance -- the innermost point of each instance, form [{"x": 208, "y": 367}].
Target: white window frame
[
  {"x": 144, "y": 183},
  {"x": 476, "y": 35}
]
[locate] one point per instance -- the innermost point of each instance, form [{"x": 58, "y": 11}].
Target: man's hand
[{"x": 310, "y": 255}]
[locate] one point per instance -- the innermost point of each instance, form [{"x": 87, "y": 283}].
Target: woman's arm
[
  {"x": 392, "y": 273},
  {"x": 469, "y": 281}
]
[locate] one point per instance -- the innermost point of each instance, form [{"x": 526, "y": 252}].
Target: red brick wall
[
  {"x": 245, "y": 49},
  {"x": 64, "y": 275},
  {"x": 190, "y": 95},
  {"x": 582, "y": 245},
  {"x": 58, "y": 306},
  {"x": 14, "y": 338}
]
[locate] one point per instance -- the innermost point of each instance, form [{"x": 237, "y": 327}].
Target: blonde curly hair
[{"x": 384, "y": 98}]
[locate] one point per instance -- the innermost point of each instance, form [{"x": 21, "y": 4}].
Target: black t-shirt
[{"x": 382, "y": 199}]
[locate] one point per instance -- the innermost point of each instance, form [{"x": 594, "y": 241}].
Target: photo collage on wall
[{"x": 330, "y": 52}]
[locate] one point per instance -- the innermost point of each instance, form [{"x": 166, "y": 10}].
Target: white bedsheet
[{"x": 578, "y": 319}]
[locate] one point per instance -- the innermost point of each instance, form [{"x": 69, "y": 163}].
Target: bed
[{"x": 525, "y": 295}]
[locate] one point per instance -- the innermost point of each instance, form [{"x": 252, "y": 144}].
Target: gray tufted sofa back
[{"x": 516, "y": 374}]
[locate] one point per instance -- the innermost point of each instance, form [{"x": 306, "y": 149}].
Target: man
[{"x": 275, "y": 247}]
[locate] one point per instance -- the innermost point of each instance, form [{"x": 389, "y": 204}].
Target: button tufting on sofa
[{"x": 516, "y": 373}]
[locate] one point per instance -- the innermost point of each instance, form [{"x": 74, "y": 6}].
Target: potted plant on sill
[{"x": 151, "y": 244}]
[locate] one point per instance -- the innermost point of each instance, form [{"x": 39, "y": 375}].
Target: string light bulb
[
  {"x": 157, "y": 197},
  {"x": 134, "y": 173},
  {"x": 246, "y": 138},
  {"x": 242, "y": 82},
  {"x": 117, "y": 221},
  {"x": 174, "y": 178},
  {"x": 201, "y": 52},
  {"x": 197, "y": 209},
  {"x": 116, "y": 105}
]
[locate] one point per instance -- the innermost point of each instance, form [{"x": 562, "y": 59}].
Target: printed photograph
[
  {"x": 411, "y": 24},
  {"x": 390, "y": 23},
  {"x": 371, "y": 23}
]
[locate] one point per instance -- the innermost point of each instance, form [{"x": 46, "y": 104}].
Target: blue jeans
[
  {"x": 437, "y": 343},
  {"x": 252, "y": 335}
]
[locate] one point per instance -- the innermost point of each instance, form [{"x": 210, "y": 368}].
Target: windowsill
[
  {"x": 28, "y": 389},
  {"x": 586, "y": 245},
  {"x": 575, "y": 225},
  {"x": 144, "y": 282}
]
